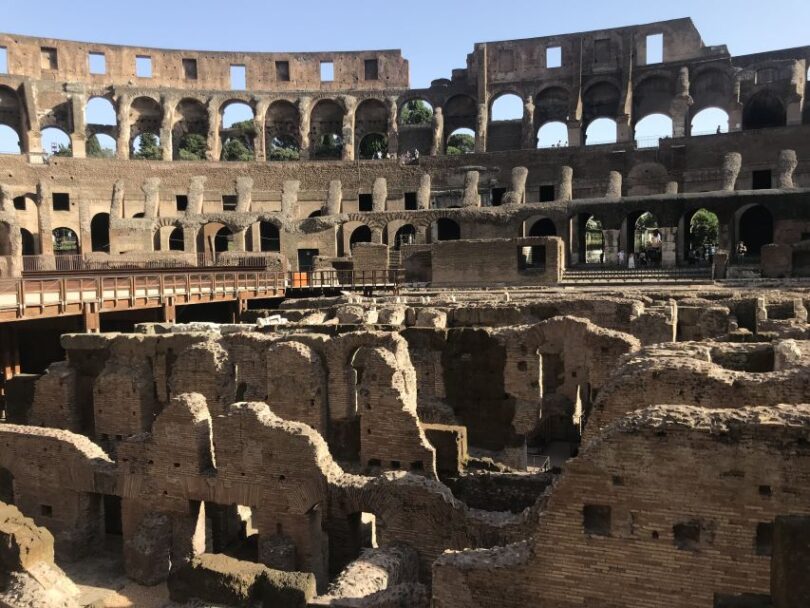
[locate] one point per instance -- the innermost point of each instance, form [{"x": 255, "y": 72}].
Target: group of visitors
[
  {"x": 411, "y": 157},
  {"x": 701, "y": 253},
  {"x": 641, "y": 260}
]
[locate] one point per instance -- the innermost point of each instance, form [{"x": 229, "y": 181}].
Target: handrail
[{"x": 77, "y": 262}]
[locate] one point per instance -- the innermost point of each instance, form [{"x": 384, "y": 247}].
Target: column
[
  {"x": 349, "y": 103},
  {"x": 78, "y": 137},
  {"x": 421, "y": 235},
  {"x": 611, "y": 246},
  {"x": 124, "y": 128},
  {"x": 304, "y": 107},
  {"x": 214, "y": 144},
  {"x": 574, "y": 133},
  {"x": 529, "y": 136},
  {"x": 624, "y": 130},
  {"x": 393, "y": 126},
  {"x": 437, "y": 146},
  {"x": 166, "y": 124},
  {"x": 239, "y": 239},
  {"x": 482, "y": 122},
  {"x": 44, "y": 219},
  {"x": 669, "y": 236},
  {"x": 260, "y": 140},
  {"x": 255, "y": 237}
]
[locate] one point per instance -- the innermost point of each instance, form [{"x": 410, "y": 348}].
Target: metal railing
[{"x": 80, "y": 263}]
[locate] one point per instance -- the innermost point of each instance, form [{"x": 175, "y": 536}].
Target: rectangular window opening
[
  {"x": 61, "y": 201},
  {"x": 19, "y": 203},
  {"x": 181, "y": 201},
  {"x": 372, "y": 69},
  {"x": 366, "y": 202},
  {"x": 655, "y": 48},
  {"x": 49, "y": 58},
  {"x": 547, "y": 193},
  {"x": 229, "y": 202},
  {"x": 283, "y": 71},
  {"x": 764, "y": 541},
  {"x": 554, "y": 57},
  {"x": 601, "y": 51},
  {"x": 238, "y": 78},
  {"x": 497, "y": 196},
  {"x": 686, "y": 536},
  {"x": 143, "y": 66},
  {"x": 410, "y": 201},
  {"x": 190, "y": 69},
  {"x": 3, "y": 60},
  {"x": 46, "y": 510},
  {"x": 761, "y": 180},
  {"x": 98, "y": 63},
  {"x": 327, "y": 71},
  {"x": 596, "y": 520}
]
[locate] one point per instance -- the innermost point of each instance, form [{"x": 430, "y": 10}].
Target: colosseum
[{"x": 278, "y": 330}]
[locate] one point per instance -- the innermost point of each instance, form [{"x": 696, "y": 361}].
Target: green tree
[
  {"x": 416, "y": 112},
  {"x": 63, "y": 150},
  {"x": 94, "y": 149},
  {"x": 234, "y": 149},
  {"x": 372, "y": 144},
  {"x": 330, "y": 146},
  {"x": 704, "y": 228},
  {"x": 192, "y": 147},
  {"x": 148, "y": 148},
  {"x": 244, "y": 128},
  {"x": 460, "y": 143}
]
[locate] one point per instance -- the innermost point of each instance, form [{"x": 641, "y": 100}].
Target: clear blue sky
[{"x": 435, "y": 36}]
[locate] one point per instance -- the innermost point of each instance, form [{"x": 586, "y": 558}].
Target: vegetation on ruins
[
  {"x": 94, "y": 149},
  {"x": 372, "y": 144},
  {"x": 192, "y": 147},
  {"x": 282, "y": 148},
  {"x": 239, "y": 144},
  {"x": 63, "y": 150},
  {"x": 234, "y": 149},
  {"x": 460, "y": 143},
  {"x": 704, "y": 228},
  {"x": 329, "y": 146},
  {"x": 148, "y": 148},
  {"x": 416, "y": 112}
]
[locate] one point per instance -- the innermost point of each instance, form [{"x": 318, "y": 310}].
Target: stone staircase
[{"x": 603, "y": 275}]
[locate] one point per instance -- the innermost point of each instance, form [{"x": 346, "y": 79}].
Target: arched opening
[
  {"x": 269, "y": 237},
  {"x": 551, "y": 105},
  {"x": 460, "y": 111},
  {"x": 100, "y": 111},
  {"x": 65, "y": 241},
  {"x": 764, "y": 110},
  {"x": 145, "y": 116},
  {"x": 506, "y": 107},
  {"x": 316, "y": 213},
  {"x": 223, "y": 241},
  {"x": 416, "y": 113},
  {"x": 552, "y": 135},
  {"x": 281, "y": 131},
  {"x": 9, "y": 140},
  {"x": 28, "y": 243},
  {"x": 711, "y": 88},
  {"x": 709, "y": 121},
  {"x": 373, "y": 145},
  {"x": 100, "y": 232},
  {"x": 755, "y": 230},
  {"x": 701, "y": 237},
  {"x": 100, "y": 145},
  {"x": 10, "y": 121},
  {"x": 651, "y": 129},
  {"x": 371, "y": 117},
  {"x": 214, "y": 237},
  {"x": 600, "y": 100},
  {"x": 190, "y": 131},
  {"x": 176, "y": 240},
  {"x": 543, "y": 227},
  {"x": 643, "y": 239},
  {"x": 326, "y": 124},
  {"x": 406, "y": 235},
  {"x": 653, "y": 95},
  {"x": 238, "y": 131},
  {"x": 590, "y": 239},
  {"x": 55, "y": 142},
  {"x": 444, "y": 229},
  {"x": 461, "y": 141},
  {"x": 361, "y": 234},
  {"x": 601, "y": 131}
]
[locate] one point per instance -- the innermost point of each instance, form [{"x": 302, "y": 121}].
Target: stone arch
[
  {"x": 58, "y": 115},
  {"x": 326, "y": 129},
  {"x": 405, "y": 235},
  {"x": 552, "y": 135},
  {"x": 642, "y": 236},
  {"x": 652, "y": 95},
  {"x": 269, "y": 237},
  {"x": 754, "y": 228},
  {"x": 99, "y": 112},
  {"x": 56, "y": 140},
  {"x": 29, "y": 246},
  {"x": 542, "y": 227},
  {"x": 145, "y": 116},
  {"x": 370, "y": 116},
  {"x": 650, "y": 130},
  {"x": 282, "y": 127},
  {"x": 710, "y": 88},
  {"x": 700, "y": 230},
  {"x": 100, "y": 232},
  {"x": 10, "y": 118},
  {"x": 236, "y": 125},
  {"x": 552, "y": 104},
  {"x": 460, "y": 111},
  {"x": 444, "y": 229},
  {"x": 65, "y": 241},
  {"x": 506, "y": 105},
  {"x": 764, "y": 110},
  {"x": 601, "y": 131},
  {"x": 191, "y": 118},
  {"x": 10, "y": 142},
  {"x": 361, "y": 234},
  {"x": 600, "y": 100},
  {"x": 647, "y": 179},
  {"x": 588, "y": 241},
  {"x": 708, "y": 121},
  {"x": 417, "y": 120}
]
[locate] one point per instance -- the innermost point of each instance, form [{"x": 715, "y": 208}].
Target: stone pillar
[
  {"x": 785, "y": 167},
  {"x": 624, "y": 130},
  {"x": 671, "y": 187},
  {"x": 735, "y": 109},
  {"x": 304, "y": 107},
  {"x": 376, "y": 235},
  {"x": 796, "y": 97},
  {"x": 614, "y": 188},
  {"x": 190, "y": 237},
  {"x": 379, "y": 194},
  {"x": 574, "y": 133},
  {"x": 334, "y": 198},
  {"x": 260, "y": 140},
  {"x": 529, "y": 135},
  {"x": 124, "y": 127},
  {"x": 481, "y": 124},
  {"x": 166, "y": 125},
  {"x": 151, "y": 193},
  {"x": 78, "y": 136},
  {"x": 611, "y": 241},
  {"x": 289, "y": 197},
  {"x": 196, "y": 190},
  {"x": 565, "y": 184},
  {"x": 44, "y": 219},
  {"x": 669, "y": 247},
  {"x": 213, "y": 142},
  {"x": 244, "y": 194},
  {"x": 255, "y": 237},
  {"x": 517, "y": 195},
  {"x": 679, "y": 108},
  {"x": 423, "y": 193},
  {"x": 437, "y": 147},
  {"x": 471, "y": 196},
  {"x": 350, "y": 104},
  {"x": 393, "y": 125},
  {"x": 239, "y": 240},
  {"x": 732, "y": 162}
]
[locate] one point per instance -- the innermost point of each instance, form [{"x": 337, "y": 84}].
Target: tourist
[
  {"x": 621, "y": 257},
  {"x": 741, "y": 250},
  {"x": 631, "y": 261}
]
